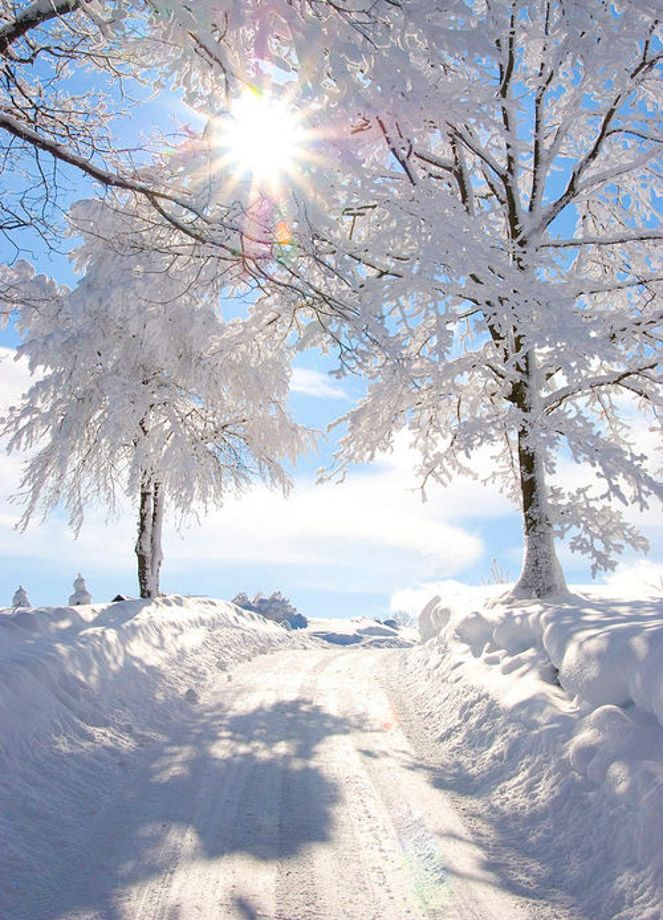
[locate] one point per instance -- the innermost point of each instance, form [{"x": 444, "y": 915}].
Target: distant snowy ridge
[
  {"x": 553, "y": 712},
  {"x": 360, "y": 632}
]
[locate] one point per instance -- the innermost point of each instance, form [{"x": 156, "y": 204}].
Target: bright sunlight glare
[{"x": 262, "y": 137}]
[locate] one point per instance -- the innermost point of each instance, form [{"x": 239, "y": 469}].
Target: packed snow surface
[
  {"x": 82, "y": 690},
  {"x": 156, "y": 766},
  {"x": 551, "y": 716}
]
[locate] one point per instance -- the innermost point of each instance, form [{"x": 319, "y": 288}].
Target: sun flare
[{"x": 262, "y": 138}]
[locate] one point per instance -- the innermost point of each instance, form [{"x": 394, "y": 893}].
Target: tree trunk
[
  {"x": 144, "y": 541},
  {"x": 157, "y": 527},
  {"x": 148, "y": 544},
  {"x": 541, "y": 574}
]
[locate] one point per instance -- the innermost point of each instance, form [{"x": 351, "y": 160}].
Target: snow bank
[
  {"x": 555, "y": 712},
  {"x": 607, "y": 652},
  {"x": 89, "y": 660}
]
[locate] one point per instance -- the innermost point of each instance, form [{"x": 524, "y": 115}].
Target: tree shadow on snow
[{"x": 241, "y": 783}]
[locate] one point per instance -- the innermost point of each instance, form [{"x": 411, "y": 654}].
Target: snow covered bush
[
  {"x": 403, "y": 618},
  {"x": 81, "y": 594},
  {"x": 20, "y": 598},
  {"x": 276, "y": 607}
]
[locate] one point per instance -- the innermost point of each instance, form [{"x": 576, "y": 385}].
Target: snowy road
[{"x": 288, "y": 792}]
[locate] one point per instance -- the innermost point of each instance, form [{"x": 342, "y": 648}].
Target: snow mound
[
  {"x": 557, "y": 709},
  {"x": 82, "y": 660},
  {"x": 607, "y": 652},
  {"x": 361, "y": 632}
]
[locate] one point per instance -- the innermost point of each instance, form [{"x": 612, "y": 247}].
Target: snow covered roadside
[
  {"x": 546, "y": 720},
  {"x": 83, "y": 688}
]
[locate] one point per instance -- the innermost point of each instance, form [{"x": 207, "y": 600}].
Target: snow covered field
[
  {"x": 157, "y": 764},
  {"x": 545, "y": 721}
]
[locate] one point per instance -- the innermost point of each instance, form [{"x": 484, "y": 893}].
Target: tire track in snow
[
  {"x": 214, "y": 813},
  {"x": 354, "y": 873},
  {"x": 295, "y": 794},
  {"x": 258, "y": 804}
]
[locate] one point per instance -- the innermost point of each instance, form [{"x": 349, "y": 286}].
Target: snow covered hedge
[
  {"x": 553, "y": 712},
  {"x": 276, "y": 607}
]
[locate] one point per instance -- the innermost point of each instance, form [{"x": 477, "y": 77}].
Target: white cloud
[
  {"x": 413, "y": 600},
  {"x": 369, "y": 523},
  {"x": 315, "y": 383},
  {"x": 373, "y": 530},
  {"x": 640, "y": 577}
]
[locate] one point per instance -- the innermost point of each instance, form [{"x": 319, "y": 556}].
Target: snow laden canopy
[
  {"x": 488, "y": 243},
  {"x": 87, "y": 88},
  {"x": 144, "y": 390}
]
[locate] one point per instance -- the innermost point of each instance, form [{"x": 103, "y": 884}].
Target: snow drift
[
  {"x": 98, "y": 661},
  {"x": 552, "y": 715}
]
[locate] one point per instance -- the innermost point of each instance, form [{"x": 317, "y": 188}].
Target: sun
[{"x": 261, "y": 138}]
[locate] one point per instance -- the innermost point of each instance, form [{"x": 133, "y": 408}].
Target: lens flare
[{"x": 261, "y": 138}]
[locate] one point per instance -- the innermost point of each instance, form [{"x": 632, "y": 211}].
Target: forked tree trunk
[
  {"x": 148, "y": 544},
  {"x": 541, "y": 574}
]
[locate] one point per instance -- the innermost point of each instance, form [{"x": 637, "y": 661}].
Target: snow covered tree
[
  {"x": 21, "y": 598},
  {"x": 497, "y": 574},
  {"x": 490, "y": 247},
  {"x": 73, "y": 74},
  {"x": 403, "y": 619},
  {"x": 81, "y": 594},
  {"x": 144, "y": 389},
  {"x": 74, "y": 88}
]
